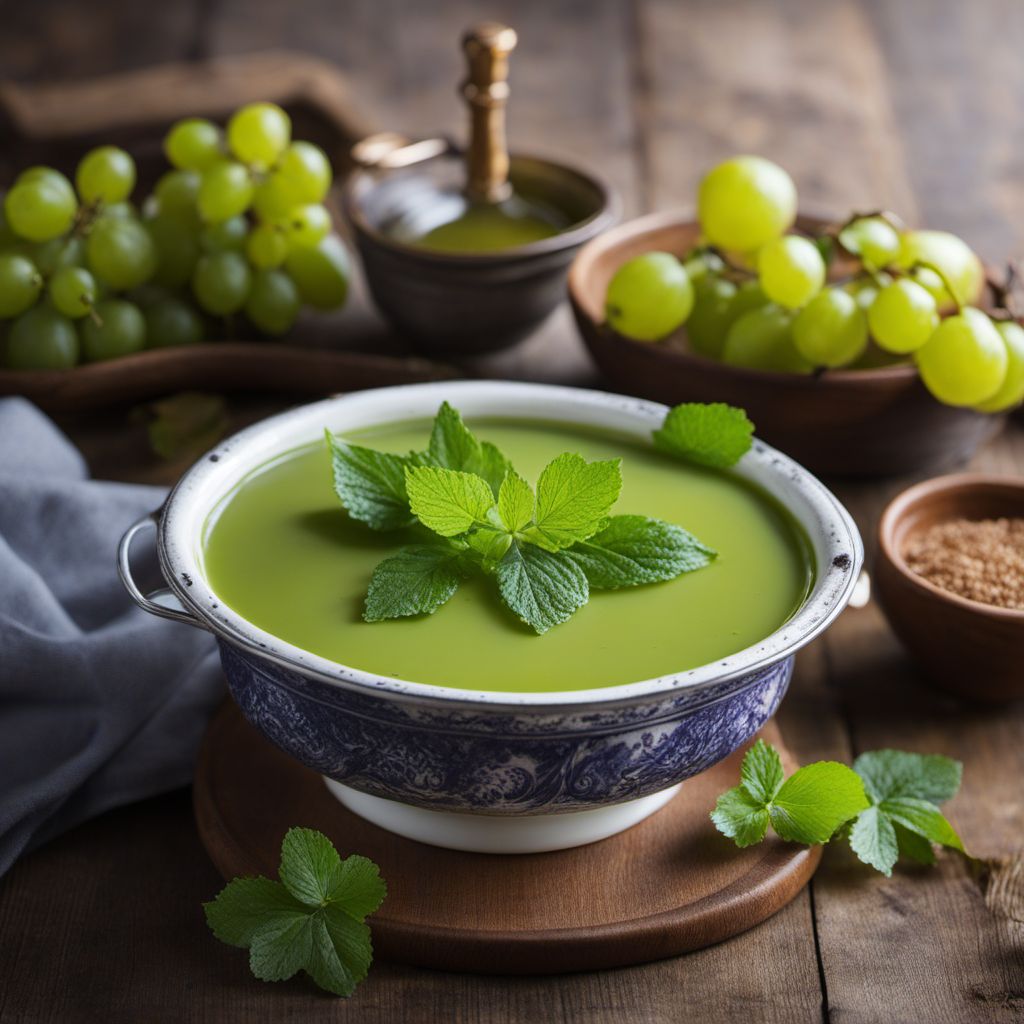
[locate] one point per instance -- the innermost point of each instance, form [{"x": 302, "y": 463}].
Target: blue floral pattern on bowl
[{"x": 480, "y": 760}]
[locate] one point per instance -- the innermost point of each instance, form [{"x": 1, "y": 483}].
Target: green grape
[
  {"x": 306, "y": 225},
  {"x": 221, "y": 282},
  {"x": 965, "y": 360},
  {"x": 874, "y": 239},
  {"x": 791, "y": 270},
  {"x": 177, "y": 191},
  {"x": 105, "y": 175},
  {"x": 259, "y": 133},
  {"x": 147, "y": 295},
  {"x": 20, "y": 284},
  {"x": 72, "y": 290},
  {"x": 119, "y": 211},
  {"x": 267, "y": 246},
  {"x": 40, "y": 209},
  {"x": 763, "y": 340},
  {"x": 746, "y": 202},
  {"x": 50, "y": 174},
  {"x": 865, "y": 289},
  {"x": 226, "y": 235},
  {"x": 320, "y": 272},
  {"x": 831, "y": 330},
  {"x": 194, "y": 144},
  {"x": 225, "y": 191},
  {"x": 307, "y": 171},
  {"x": 42, "y": 339},
  {"x": 902, "y": 317},
  {"x": 649, "y": 297},
  {"x": 749, "y": 296},
  {"x": 118, "y": 330},
  {"x": 711, "y": 316},
  {"x": 952, "y": 256},
  {"x": 177, "y": 250},
  {"x": 1011, "y": 392},
  {"x": 8, "y": 238},
  {"x": 274, "y": 198},
  {"x": 172, "y": 322},
  {"x": 120, "y": 253},
  {"x": 273, "y": 302}
]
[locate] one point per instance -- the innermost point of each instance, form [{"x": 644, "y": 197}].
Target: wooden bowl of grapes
[{"x": 872, "y": 418}]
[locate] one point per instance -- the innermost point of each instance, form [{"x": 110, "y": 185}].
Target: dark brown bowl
[
  {"x": 873, "y": 422},
  {"x": 968, "y": 648},
  {"x": 474, "y": 302}
]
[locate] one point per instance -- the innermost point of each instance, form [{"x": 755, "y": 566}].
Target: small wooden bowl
[
  {"x": 862, "y": 423},
  {"x": 968, "y": 648}
]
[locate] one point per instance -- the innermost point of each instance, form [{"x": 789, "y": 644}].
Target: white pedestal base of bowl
[{"x": 491, "y": 833}]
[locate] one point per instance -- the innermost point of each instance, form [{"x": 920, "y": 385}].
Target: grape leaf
[
  {"x": 574, "y": 498},
  {"x": 447, "y": 501},
  {"x": 715, "y": 435},
  {"x": 415, "y": 581},
  {"x": 543, "y": 588},
  {"x": 371, "y": 485}
]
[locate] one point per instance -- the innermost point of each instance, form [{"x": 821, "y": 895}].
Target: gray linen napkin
[{"x": 100, "y": 703}]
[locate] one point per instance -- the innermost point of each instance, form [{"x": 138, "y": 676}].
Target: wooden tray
[
  {"x": 56, "y": 124},
  {"x": 669, "y": 885}
]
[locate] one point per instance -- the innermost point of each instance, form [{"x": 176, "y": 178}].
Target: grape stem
[
  {"x": 1004, "y": 291},
  {"x": 942, "y": 277}
]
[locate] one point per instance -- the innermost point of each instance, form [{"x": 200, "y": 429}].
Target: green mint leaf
[
  {"x": 453, "y": 446},
  {"x": 371, "y": 485},
  {"x": 923, "y": 818},
  {"x": 633, "y": 550},
  {"x": 309, "y": 862},
  {"x": 873, "y": 839},
  {"x": 741, "y": 816},
  {"x": 814, "y": 801},
  {"x": 447, "y": 501},
  {"x": 574, "y": 498},
  {"x": 415, "y": 581},
  {"x": 896, "y": 773},
  {"x": 356, "y": 887},
  {"x": 491, "y": 544},
  {"x": 281, "y": 947},
  {"x": 914, "y": 846},
  {"x": 710, "y": 435},
  {"x": 515, "y": 502},
  {"x": 341, "y": 951},
  {"x": 244, "y": 905},
  {"x": 541, "y": 587},
  {"x": 761, "y": 772}
]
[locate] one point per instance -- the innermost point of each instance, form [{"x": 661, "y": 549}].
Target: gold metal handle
[{"x": 485, "y": 90}]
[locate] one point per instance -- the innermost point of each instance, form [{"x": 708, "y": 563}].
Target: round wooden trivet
[{"x": 669, "y": 885}]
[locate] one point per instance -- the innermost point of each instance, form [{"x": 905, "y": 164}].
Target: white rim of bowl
[{"x": 838, "y": 549}]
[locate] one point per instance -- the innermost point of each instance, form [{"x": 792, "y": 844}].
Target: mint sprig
[
  {"x": 715, "y": 435},
  {"x": 887, "y": 804},
  {"x": 312, "y": 920},
  {"x": 546, "y": 548}
]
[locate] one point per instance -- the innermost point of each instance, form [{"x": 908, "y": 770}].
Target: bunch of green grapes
[
  {"x": 753, "y": 293},
  {"x": 236, "y": 227}
]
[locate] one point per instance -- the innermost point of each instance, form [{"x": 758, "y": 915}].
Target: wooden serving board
[{"x": 667, "y": 886}]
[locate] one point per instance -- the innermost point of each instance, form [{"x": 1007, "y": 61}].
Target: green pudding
[
  {"x": 281, "y": 551},
  {"x": 486, "y": 229}
]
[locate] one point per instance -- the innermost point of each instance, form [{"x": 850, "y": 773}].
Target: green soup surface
[
  {"x": 282, "y": 552},
  {"x": 486, "y": 229}
]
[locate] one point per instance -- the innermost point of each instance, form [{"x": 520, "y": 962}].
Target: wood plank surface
[{"x": 916, "y": 105}]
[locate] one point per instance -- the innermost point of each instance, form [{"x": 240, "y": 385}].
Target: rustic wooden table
[{"x": 917, "y": 105}]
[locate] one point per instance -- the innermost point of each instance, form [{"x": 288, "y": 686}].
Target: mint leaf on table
[
  {"x": 370, "y": 484},
  {"x": 313, "y": 920},
  {"x": 807, "y": 807},
  {"x": 415, "y": 581},
  {"x": 454, "y": 446},
  {"x": 716, "y": 435},
  {"x": 574, "y": 498},
  {"x": 543, "y": 588},
  {"x": 815, "y": 800},
  {"x": 633, "y": 550},
  {"x": 885, "y": 804},
  {"x": 905, "y": 790},
  {"x": 447, "y": 501}
]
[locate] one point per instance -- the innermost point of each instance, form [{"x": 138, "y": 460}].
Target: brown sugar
[{"x": 982, "y": 560}]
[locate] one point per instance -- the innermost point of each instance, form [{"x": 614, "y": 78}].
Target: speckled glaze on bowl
[{"x": 586, "y": 763}]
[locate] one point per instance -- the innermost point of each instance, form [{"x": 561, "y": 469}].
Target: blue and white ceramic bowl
[{"x": 479, "y": 770}]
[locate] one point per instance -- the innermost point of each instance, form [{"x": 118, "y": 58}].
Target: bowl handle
[{"x": 146, "y": 601}]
